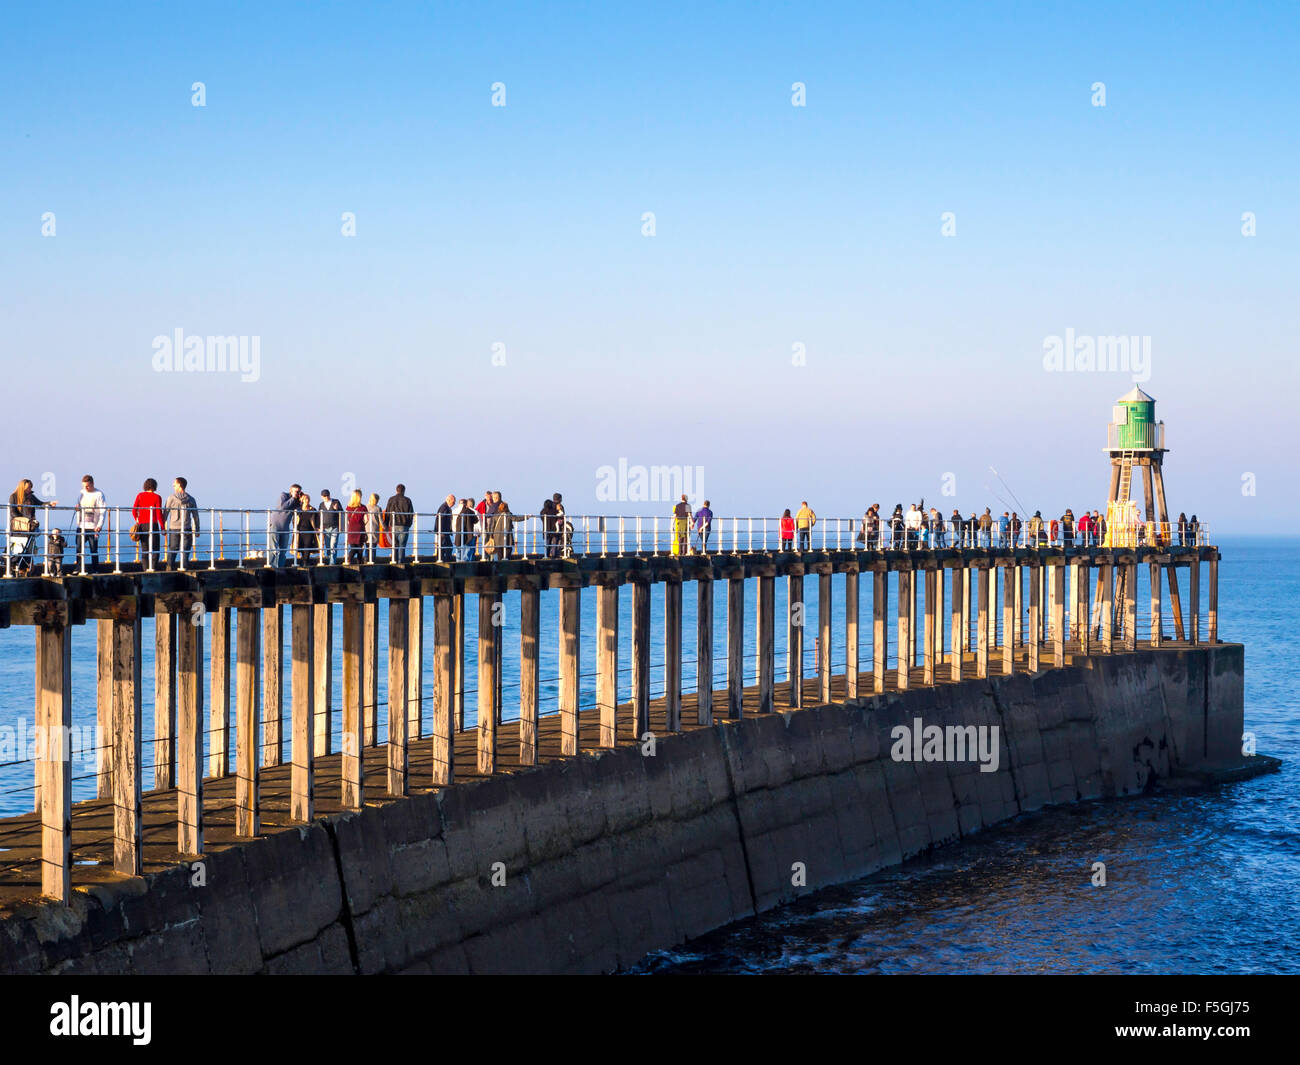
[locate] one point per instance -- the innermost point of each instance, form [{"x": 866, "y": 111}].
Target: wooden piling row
[{"x": 982, "y": 616}]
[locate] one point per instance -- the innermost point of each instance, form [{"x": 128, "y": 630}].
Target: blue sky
[{"x": 774, "y": 226}]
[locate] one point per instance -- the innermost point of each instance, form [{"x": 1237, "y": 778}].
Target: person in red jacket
[
  {"x": 146, "y": 512},
  {"x": 787, "y": 531}
]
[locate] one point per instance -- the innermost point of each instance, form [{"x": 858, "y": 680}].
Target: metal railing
[{"x": 66, "y": 540}]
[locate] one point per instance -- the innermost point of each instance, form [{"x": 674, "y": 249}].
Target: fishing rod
[{"x": 1022, "y": 507}]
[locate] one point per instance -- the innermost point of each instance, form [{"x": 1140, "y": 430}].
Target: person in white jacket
[
  {"x": 913, "y": 522},
  {"x": 92, "y": 512}
]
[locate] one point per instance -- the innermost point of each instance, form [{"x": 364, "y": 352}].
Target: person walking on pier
[
  {"x": 23, "y": 524},
  {"x": 181, "y": 517},
  {"x": 92, "y": 510},
  {"x": 804, "y": 522},
  {"x": 703, "y": 526},
  {"x": 787, "y": 531},
  {"x": 331, "y": 516},
  {"x": 398, "y": 515},
  {"x": 146, "y": 513},
  {"x": 443, "y": 528},
  {"x": 282, "y": 522},
  {"x": 355, "y": 517}
]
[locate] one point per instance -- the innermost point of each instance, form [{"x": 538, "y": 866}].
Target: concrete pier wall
[{"x": 586, "y": 864}]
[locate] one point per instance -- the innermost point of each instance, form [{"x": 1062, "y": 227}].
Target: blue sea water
[
  {"x": 1203, "y": 883},
  {"x": 1196, "y": 883}
]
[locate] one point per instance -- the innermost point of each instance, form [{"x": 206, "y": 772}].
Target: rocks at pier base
[{"x": 586, "y": 864}]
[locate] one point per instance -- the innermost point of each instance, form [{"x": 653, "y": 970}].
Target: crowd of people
[{"x": 304, "y": 531}]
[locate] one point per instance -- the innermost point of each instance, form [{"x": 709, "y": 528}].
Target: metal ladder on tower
[{"x": 1121, "y": 585}]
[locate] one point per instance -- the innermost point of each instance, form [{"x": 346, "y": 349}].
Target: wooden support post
[
  {"x": 415, "y": 669},
  {"x": 902, "y": 676},
  {"x": 248, "y": 705},
  {"x": 1175, "y": 602},
  {"x": 958, "y": 624},
  {"x": 640, "y": 658},
  {"x": 852, "y": 619},
  {"x": 1130, "y": 606},
  {"x": 607, "y": 662},
  {"x": 990, "y": 578},
  {"x": 981, "y": 578},
  {"x": 1082, "y": 607},
  {"x": 927, "y": 642},
  {"x": 1008, "y": 620},
  {"x": 444, "y": 682},
  {"x": 458, "y": 633},
  {"x": 794, "y": 608},
  {"x": 766, "y": 642},
  {"x": 104, "y": 709},
  {"x": 1058, "y": 616},
  {"x": 1154, "y": 574},
  {"x": 399, "y": 621},
  {"x": 1035, "y": 633},
  {"x": 879, "y": 629},
  {"x": 272, "y": 685},
  {"x": 189, "y": 736},
  {"x": 128, "y": 822},
  {"x": 704, "y": 651},
  {"x": 673, "y": 655},
  {"x": 353, "y": 777},
  {"x": 965, "y": 608},
  {"x": 824, "y": 637},
  {"x": 1212, "y": 601},
  {"x": 940, "y": 619},
  {"x": 570, "y": 632},
  {"x": 1049, "y": 596},
  {"x": 488, "y": 635},
  {"x": 1106, "y": 582},
  {"x": 369, "y": 674},
  {"x": 323, "y": 674},
  {"x": 1194, "y": 601},
  {"x": 529, "y": 679},
  {"x": 302, "y": 695},
  {"x": 912, "y": 592},
  {"x": 735, "y": 647},
  {"x": 219, "y": 710},
  {"x": 1018, "y": 633},
  {"x": 164, "y": 705},
  {"x": 54, "y": 767}
]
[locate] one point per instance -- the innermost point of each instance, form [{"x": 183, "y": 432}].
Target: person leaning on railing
[
  {"x": 146, "y": 514},
  {"x": 355, "y": 516},
  {"x": 181, "y": 517},
  {"x": 23, "y": 525}
]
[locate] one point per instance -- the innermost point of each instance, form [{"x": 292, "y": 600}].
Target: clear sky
[{"x": 774, "y": 226}]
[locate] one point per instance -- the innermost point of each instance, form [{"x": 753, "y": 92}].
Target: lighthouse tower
[{"x": 1135, "y": 440}]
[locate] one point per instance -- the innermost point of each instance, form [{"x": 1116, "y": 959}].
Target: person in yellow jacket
[
  {"x": 803, "y": 522},
  {"x": 681, "y": 527}
]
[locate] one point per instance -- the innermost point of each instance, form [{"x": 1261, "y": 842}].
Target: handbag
[
  {"x": 384, "y": 541},
  {"x": 25, "y": 525},
  {"x": 136, "y": 529}
]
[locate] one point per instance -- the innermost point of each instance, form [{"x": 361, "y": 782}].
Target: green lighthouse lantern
[{"x": 1134, "y": 423}]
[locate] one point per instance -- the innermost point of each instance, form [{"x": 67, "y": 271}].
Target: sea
[{"x": 1195, "y": 883}]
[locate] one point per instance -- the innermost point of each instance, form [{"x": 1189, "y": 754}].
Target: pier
[{"x": 960, "y": 613}]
